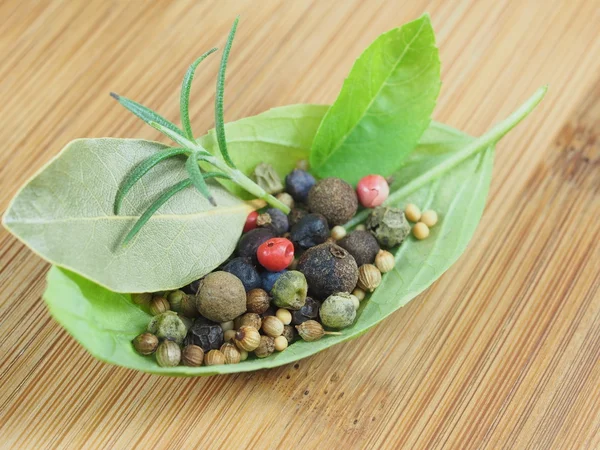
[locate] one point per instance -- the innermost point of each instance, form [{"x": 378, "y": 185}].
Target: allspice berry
[
  {"x": 311, "y": 330},
  {"x": 388, "y": 225},
  {"x": 142, "y": 299},
  {"x": 214, "y": 358},
  {"x": 248, "y": 320},
  {"x": 369, "y": 277},
  {"x": 362, "y": 245},
  {"x": 168, "y": 354},
  {"x": 328, "y": 269},
  {"x": 272, "y": 326},
  {"x": 159, "y": 305},
  {"x": 257, "y": 301},
  {"x": 192, "y": 355},
  {"x": 145, "y": 344},
  {"x": 231, "y": 353},
  {"x": 385, "y": 261},
  {"x": 265, "y": 347},
  {"x": 221, "y": 297},
  {"x": 333, "y": 198},
  {"x": 247, "y": 338}
]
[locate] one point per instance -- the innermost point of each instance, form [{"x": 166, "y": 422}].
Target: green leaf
[
  {"x": 64, "y": 213},
  {"x": 219, "y": 121},
  {"x": 383, "y": 108},
  {"x": 146, "y": 114},
  {"x": 191, "y": 165},
  {"x": 280, "y": 137},
  {"x": 141, "y": 170},
  {"x": 186, "y": 87}
]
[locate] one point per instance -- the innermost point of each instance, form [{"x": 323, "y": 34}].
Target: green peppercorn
[
  {"x": 289, "y": 291},
  {"x": 388, "y": 225},
  {"x": 338, "y": 310},
  {"x": 168, "y": 326}
]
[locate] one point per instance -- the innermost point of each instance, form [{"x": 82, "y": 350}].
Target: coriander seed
[
  {"x": 142, "y": 299},
  {"x": 384, "y": 261},
  {"x": 192, "y": 355},
  {"x": 338, "y": 232},
  {"x": 145, "y": 344},
  {"x": 412, "y": 212},
  {"x": 248, "y": 319},
  {"x": 231, "y": 353},
  {"x": 420, "y": 231},
  {"x": 359, "y": 294},
  {"x": 280, "y": 343},
  {"x": 265, "y": 347},
  {"x": 257, "y": 301},
  {"x": 284, "y": 315},
  {"x": 311, "y": 330},
  {"x": 159, "y": 305},
  {"x": 247, "y": 338},
  {"x": 229, "y": 335},
  {"x": 429, "y": 218},
  {"x": 214, "y": 358},
  {"x": 168, "y": 354},
  {"x": 369, "y": 277},
  {"x": 182, "y": 303},
  {"x": 272, "y": 326}
]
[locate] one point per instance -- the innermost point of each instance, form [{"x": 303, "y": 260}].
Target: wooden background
[{"x": 503, "y": 351}]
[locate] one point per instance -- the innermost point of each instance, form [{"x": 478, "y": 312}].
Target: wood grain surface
[{"x": 502, "y": 352}]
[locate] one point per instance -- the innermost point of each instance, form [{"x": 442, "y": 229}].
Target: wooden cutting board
[{"x": 502, "y": 352}]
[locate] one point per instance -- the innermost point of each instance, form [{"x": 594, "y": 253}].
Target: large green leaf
[
  {"x": 99, "y": 319},
  {"x": 384, "y": 106},
  {"x": 65, "y": 214}
]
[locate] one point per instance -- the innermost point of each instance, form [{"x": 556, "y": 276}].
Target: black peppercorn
[
  {"x": 362, "y": 245},
  {"x": 192, "y": 288},
  {"x": 296, "y": 214},
  {"x": 298, "y": 183},
  {"x": 205, "y": 334},
  {"x": 335, "y": 199},
  {"x": 244, "y": 269},
  {"x": 310, "y": 311},
  {"x": 279, "y": 220},
  {"x": 328, "y": 269},
  {"x": 311, "y": 230},
  {"x": 250, "y": 242}
]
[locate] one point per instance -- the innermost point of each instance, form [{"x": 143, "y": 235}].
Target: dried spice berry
[
  {"x": 251, "y": 222},
  {"x": 369, "y": 277},
  {"x": 338, "y": 311},
  {"x": 298, "y": 183},
  {"x": 192, "y": 355},
  {"x": 168, "y": 325},
  {"x": 289, "y": 290},
  {"x": 142, "y": 299},
  {"x": 250, "y": 242},
  {"x": 296, "y": 214},
  {"x": 244, "y": 269},
  {"x": 286, "y": 199},
  {"x": 265, "y": 347},
  {"x": 168, "y": 354},
  {"x": 275, "y": 254},
  {"x": 311, "y": 330},
  {"x": 192, "y": 288},
  {"x": 385, "y": 261},
  {"x": 257, "y": 301},
  {"x": 372, "y": 190},
  {"x": 268, "y": 178},
  {"x": 205, "y": 334},
  {"x": 248, "y": 320},
  {"x": 247, "y": 338},
  {"x": 214, "y": 358},
  {"x": 362, "y": 245},
  {"x": 310, "y": 311},
  {"x": 279, "y": 220},
  {"x": 231, "y": 353},
  {"x": 388, "y": 225},
  {"x": 289, "y": 332},
  {"x": 158, "y": 305},
  {"x": 311, "y": 230},
  {"x": 183, "y": 304},
  {"x": 335, "y": 199},
  {"x": 272, "y": 326},
  {"x": 269, "y": 279},
  {"x": 145, "y": 344},
  {"x": 221, "y": 297},
  {"x": 328, "y": 269}
]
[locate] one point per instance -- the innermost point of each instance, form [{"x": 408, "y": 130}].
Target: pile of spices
[{"x": 296, "y": 276}]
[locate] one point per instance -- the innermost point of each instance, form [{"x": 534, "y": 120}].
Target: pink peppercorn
[
  {"x": 275, "y": 254},
  {"x": 372, "y": 191},
  {"x": 250, "y": 221}
]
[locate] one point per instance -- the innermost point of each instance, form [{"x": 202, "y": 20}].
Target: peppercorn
[
  {"x": 192, "y": 288},
  {"x": 268, "y": 178},
  {"x": 250, "y": 241},
  {"x": 229, "y": 335},
  {"x": 385, "y": 261},
  {"x": 168, "y": 325},
  {"x": 183, "y": 304},
  {"x": 359, "y": 294},
  {"x": 309, "y": 311},
  {"x": 192, "y": 355},
  {"x": 168, "y": 354},
  {"x": 284, "y": 315},
  {"x": 275, "y": 254},
  {"x": 372, "y": 190},
  {"x": 296, "y": 214},
  {"x": 266, "y": 347},
  {"x": 272, "y": 326},
  {"x": 279, "y": 220},
  {"x": 298, "y": 184},
  {"x": 257, "y": 301},
  {"x": 248, "y": 319},
  {"x": 269, "y": 279},
  {"x": 369, "y": 277},
  {"x": 231, "y": 353},
  {"x": 145, "y": 344},
  {"x": 311, "y": 330},
  {"x": 388, "y": 225},
  {"x": 159, "y": 305},
  {"x": 335, "y": 199},
  {"x": 244, "y": 269},
  {"x": 221, "y": 297},
  {"x": 328, "y": 269},
  {"x": 280, "y": 343},
  {"x": 263, "y": 220},
  {"x": 420, "y": 230},
  {"x": 247, "y": 338},
  {"x": 289, "y": 332},
  {"x": 270, "y": 311},
  {"x": 311, "y": 230},
  {"x": 362, "y": 245},
  {"x": 250, "y": 223},
  {"x": 412, "y": 212},
  {"x": 205, "y": 334},
  {"x": 142, "y": 299},
  {"x": 429, "y": 218},
  {"x": 214, "y": 358},
  {"x": 187, "y": 321},
  {"x": 289, "y": 290},
  {"x": 338, "y": 310},
  {"x": 286, "y": 199}
]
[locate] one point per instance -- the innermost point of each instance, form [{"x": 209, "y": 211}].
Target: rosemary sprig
[{"x": 195, "y": 153}]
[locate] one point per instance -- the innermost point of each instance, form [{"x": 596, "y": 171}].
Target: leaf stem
[{"x": 491, "y": 137}]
